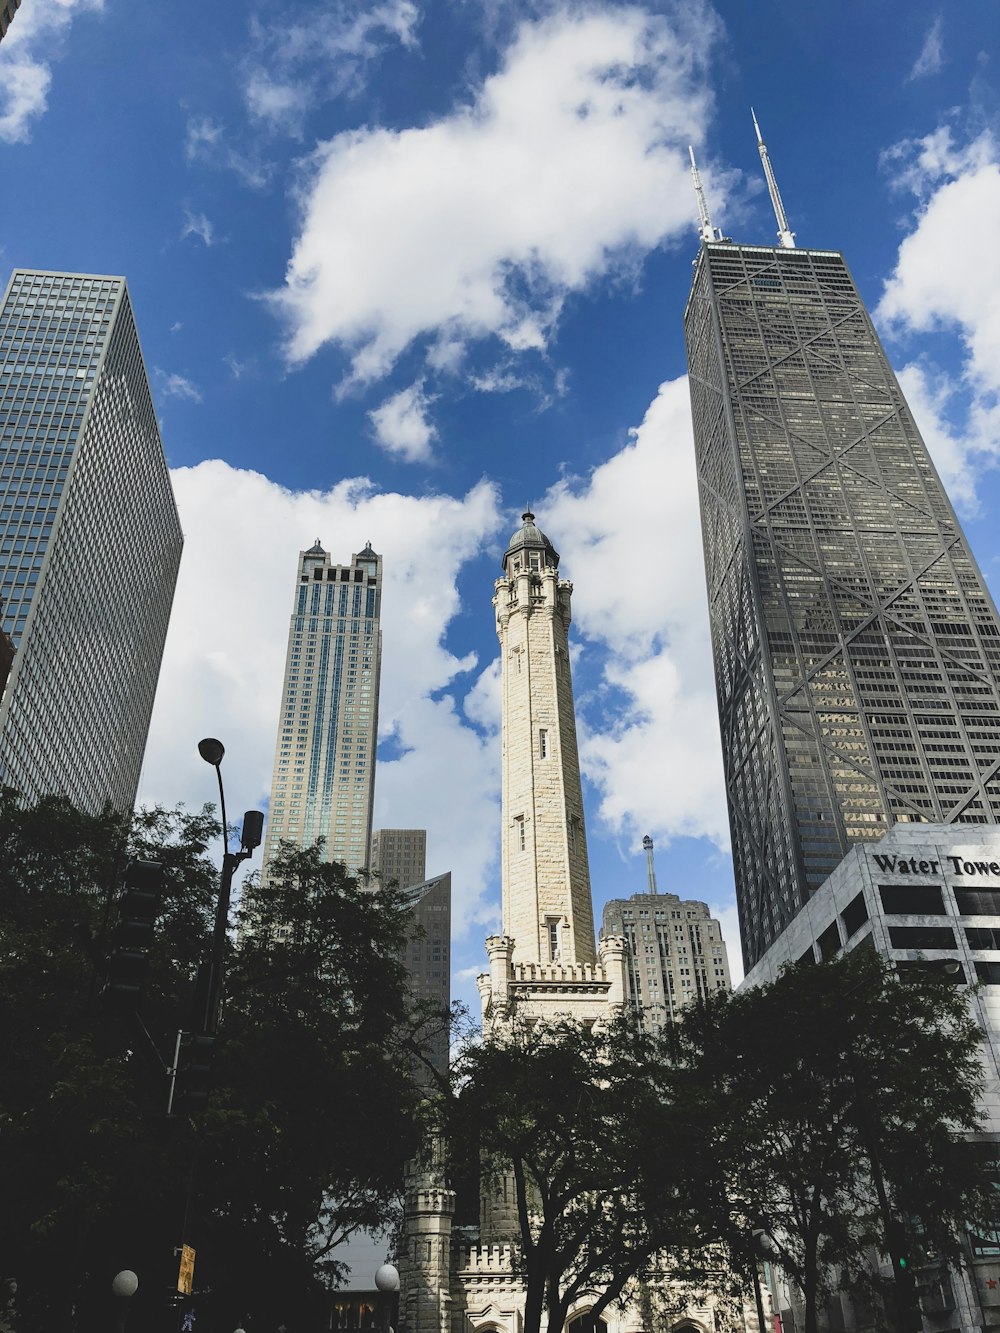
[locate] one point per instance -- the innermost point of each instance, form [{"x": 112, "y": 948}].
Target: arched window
[{"x": 585, "y": 1323}]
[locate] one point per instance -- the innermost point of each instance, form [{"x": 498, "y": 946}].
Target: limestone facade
[{"x": 544, "y": 964}]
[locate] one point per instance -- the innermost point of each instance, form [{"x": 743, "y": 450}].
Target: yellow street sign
[{"x": 185, "y": 1275}]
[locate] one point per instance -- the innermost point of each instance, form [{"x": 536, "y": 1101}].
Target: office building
[
  {"x": 323, "y": 781},
  {"x": 90, "y": 540},
  {"x": 399, "y": 855},
  {"x": 428, "y": 957},
  {"x": 8, "y": 8},
  {"x": 856, "y": 645},
  {"x": 676, "y": 952}
]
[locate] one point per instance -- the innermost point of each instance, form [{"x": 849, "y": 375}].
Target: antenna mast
[
  {"x": 705, "y": 229},
  {"x": 647, "y": 846},
  {"x": 786, "y": 237}
]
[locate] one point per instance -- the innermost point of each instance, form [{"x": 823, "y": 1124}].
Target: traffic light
[
  {"x": 192, "y": 1077},
  {"x": 132, "y": 939}
]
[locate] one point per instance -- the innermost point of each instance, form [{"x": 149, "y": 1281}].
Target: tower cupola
[{"x": 529, "y": 548}]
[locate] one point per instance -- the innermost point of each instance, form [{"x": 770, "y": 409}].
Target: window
[
  {"x": 519, "y": 836},
  {"x": 922, "y": 937},
  {"x": 854, "y": 915},
  {"x": 912, "y": 900},
  {"x": 829, "y": 942},
  {"x": 978, "y": 902},
  {"x": 543, "y": 744},
  {"x": 552, "y": 935}
]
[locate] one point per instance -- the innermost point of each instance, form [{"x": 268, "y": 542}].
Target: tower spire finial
[
  {"x": 705, "y": 229},
  {"x": 786, "y": 237}
]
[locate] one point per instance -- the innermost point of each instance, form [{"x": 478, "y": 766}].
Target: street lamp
[
  {"x": 387, "y": 1283},
  {"x": 212, "y": 751},
  {"x": 124, "y": 1285}
]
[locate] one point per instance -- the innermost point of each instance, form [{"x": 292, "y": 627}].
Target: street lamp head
[
  {"x": 124, "y": 1284},
  {"x": 211, "y": 751},
  {"x": 387, "y": 1278}
]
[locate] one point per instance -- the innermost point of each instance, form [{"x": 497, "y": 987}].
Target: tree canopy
[
  {"x": 815, "y": 1087},
  {"x": 315, "y": 1107}
]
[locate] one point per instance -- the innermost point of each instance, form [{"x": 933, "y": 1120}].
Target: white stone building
[
  {"x": 545, "y": 962},
  {"x": 924, "y": 895}
]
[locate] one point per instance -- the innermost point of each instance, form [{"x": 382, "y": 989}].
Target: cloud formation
[
  {"x": 198, "y": 225},
  {"x": 402, "y": 427},
  {"x": 931, "y": 57},
  {"x": 567, "y": 164},
  {"x": 943, "y": 283},
  {"x": 172, "y": 385},
  {"x": 222, "y": 669},
  {"x": 34, "y": 39},
  {"x": 298, "y": 60},
  {"x": 630, "y": 538}
]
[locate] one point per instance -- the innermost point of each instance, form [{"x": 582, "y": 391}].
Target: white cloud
[
  {"x": 35, "y": 37},
  {"x": 567, "y": 164},
  {"x": 206, "y": 142},
  {"x": 946, "y": 281},
  {"x": 177, "y": 386},
  {"x": 402, "y": 427},
  {"x": 314, "y": 54},
  {"x": 197, "y": 224},
  {"x": 630, "y": 538},
  {"x": 222, "y": 669},
  {"x": 931, "y": 57}
]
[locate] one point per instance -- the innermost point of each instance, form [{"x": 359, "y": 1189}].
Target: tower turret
[{"x": 547, "y": 908}]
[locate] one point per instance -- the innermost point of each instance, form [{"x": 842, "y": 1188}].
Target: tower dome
[{"x": 527, "y": 541}]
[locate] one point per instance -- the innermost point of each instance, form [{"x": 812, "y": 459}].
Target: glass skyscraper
[
  {"x": 856, "y": 645},
  {"x": 323, "y": 783},
  {"x": 90, "y": 540}
]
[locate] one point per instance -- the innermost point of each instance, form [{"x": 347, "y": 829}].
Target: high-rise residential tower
[
  {"x": 857, "y": 648},
  {"x": 323, "y": 782},
  {"x": 90, "y": 540}
]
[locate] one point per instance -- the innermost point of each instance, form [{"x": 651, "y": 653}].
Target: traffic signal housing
[
  {"x": 132, "y": 938},
  {"x": 192, "y": 1076}
]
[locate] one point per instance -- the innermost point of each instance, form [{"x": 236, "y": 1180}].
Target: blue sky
[{"x": 401, "y": 267}]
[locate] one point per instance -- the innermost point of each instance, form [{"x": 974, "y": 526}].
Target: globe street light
[{"x": 124, "y": 1285}]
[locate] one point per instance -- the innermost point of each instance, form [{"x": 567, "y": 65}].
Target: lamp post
[
  {"x": 386, "y": 1283},
  {"x": 212, "y": 751},
  {"x": 124, "y": 1285}
]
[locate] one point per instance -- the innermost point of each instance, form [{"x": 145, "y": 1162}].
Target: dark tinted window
[
  {"x": 854, "y": 915},
  {"x": 829, "y": 942},
  {"x": 922, "y": 937},
  {"x": 983, "y": 937},
  {"x": 911, "y": 900},
  {"x": 978, "y": 902}
]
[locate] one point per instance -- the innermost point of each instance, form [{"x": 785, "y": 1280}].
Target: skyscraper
[
  {"x": 856, "y": 646},
  {"x": 8, "y": 8},
  {"x": 676, "y": 952},
  {"x": 323, "y": 782},
  {"x": 90, "y": 540},
  {"x": 399, "y": 855}
]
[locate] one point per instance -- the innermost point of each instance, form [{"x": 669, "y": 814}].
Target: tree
[
  {"x": 816, "y": 1087},
  {"x": 574, "y": 1118},
  {"x": 314, "y": 1109}
]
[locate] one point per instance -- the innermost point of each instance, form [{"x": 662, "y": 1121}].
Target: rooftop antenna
[
  {"x": 706, "y": 231},
  {"x": 786, "y": 237},
  {"x": 647, "y": 844}
]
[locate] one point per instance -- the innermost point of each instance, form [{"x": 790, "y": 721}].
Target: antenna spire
[
  {"x": 786, "y": 237},
  {"x": 705, "y": 229},
  {"x": 647, "y": 846}
]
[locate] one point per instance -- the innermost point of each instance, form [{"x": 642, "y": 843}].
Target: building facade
[
  {"x": 399, "y": 855},
  {"x": 428, "y": 956},
  {"x": 926, "y": 895},
  {"x": 8, "y": 8},
  {"x": 856, "y": 646},
  {"x": 543, "y": 966},
  {"x": 675, "y": 953},
  {"x": 323, "y": 781},
  {"x": 90, "y": 540}
]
